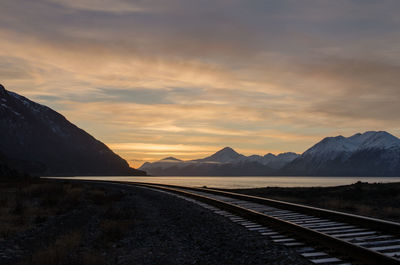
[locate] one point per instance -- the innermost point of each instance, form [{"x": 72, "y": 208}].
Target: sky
[{"x": 186, "y": 78}]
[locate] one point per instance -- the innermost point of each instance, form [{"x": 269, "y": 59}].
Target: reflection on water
[{"x": 250, "y": 182}]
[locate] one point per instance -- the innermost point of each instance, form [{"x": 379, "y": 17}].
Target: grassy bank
[{"x": 375, "y": 200}]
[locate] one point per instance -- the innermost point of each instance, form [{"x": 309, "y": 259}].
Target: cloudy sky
[{"x": 188, "y": 77}]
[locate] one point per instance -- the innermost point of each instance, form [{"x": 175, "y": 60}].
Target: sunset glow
[{"x": 187, "y": 78}]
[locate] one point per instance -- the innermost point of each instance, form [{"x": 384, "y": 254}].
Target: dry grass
[
  {"x": 26, "y": 204},
  {"x": 60, "y": 252},
  {"x": 13, "y": 214},
  {"x": 115, "y": 224},
  {"x": 64, "y": 252},
  {"x": 98, "y": 196},
  {"x": 391, "y": 212}
]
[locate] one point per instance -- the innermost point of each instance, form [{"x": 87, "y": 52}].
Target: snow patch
[{"x": 331, "y": 147}]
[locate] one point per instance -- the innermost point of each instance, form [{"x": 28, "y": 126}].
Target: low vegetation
[
  {"x": 380, "y": 200},
  {"x": 28, "y": 206}
]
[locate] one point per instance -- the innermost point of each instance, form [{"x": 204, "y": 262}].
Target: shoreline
[{"x": 244, "y": 182}]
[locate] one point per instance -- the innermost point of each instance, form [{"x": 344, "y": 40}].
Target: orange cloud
[{"x": 152, "y": 79}]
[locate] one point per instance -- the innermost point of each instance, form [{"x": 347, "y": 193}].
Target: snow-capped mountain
[
  {"x": 373, "y": 153},
  {"x": 38, "y": 140},
  {"x": 380, "y": 140},
  {"x": 224, "y": 162},
  {"x": 368, "y": 154},
  {"x": 330, "y": 147}
]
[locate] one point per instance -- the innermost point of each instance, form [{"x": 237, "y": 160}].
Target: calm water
[{"x": 251, "y": 182}]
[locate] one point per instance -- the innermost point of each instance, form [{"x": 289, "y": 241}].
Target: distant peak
[
  {"x": 357, "y": 134},
  {"x": 333, "y": 138},
  {"x": 287, "y": 154},
  {"x": 340, "y": 137},
  {"x": 227, "y": 149},
  {"x": 170, "y": 158},
  {"x": 379, "y": 133},
  {"x": 224, "y": 155},
  {"x": 371, "y": 133}
]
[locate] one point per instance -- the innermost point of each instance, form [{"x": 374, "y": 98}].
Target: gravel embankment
[
  {"x": 173, "y": 231},
  {"x": 165, "y": 230}
]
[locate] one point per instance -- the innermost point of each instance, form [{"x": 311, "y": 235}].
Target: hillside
[{"x": 38, "y": 140}]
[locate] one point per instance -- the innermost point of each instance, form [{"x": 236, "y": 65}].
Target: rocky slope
[{"x": 40, "y": 141}]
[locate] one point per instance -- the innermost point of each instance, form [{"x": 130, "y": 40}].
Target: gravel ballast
[{"x": 170, "y": 230}]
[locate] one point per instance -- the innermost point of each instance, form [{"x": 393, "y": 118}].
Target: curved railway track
[{"x": 322, "y": 236}]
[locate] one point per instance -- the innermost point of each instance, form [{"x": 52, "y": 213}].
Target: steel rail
[
  {"x": 378, "y": 224},
  {"x": 358, "y": 253}
]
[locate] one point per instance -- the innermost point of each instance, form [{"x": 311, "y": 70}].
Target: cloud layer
[{"x": 193, "y": 76}]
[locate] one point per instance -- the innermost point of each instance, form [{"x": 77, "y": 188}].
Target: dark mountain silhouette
[
  {"x": 225, "y": 155},
  {"x": 278, "y": 161},
  {"x": 171, "y": 159},
  {"x": 37, "y": 140},
  {"x": 210, "y": 169},
  {"x": 225, "y": 162},
  {"x": 6, "y": 171}
]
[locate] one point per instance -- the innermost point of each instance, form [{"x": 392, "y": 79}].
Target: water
[{"x": 250, "y": 182}]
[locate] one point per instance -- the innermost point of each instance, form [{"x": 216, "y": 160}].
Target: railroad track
[{"x": 322, "y": 236}]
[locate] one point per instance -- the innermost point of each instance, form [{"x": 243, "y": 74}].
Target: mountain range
[
  {"x": 226, "y": 162},
  {"x": 37, "y": 140},
  {"x": 373, "y": 153},
  {"x": 368, "y": 154}
]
